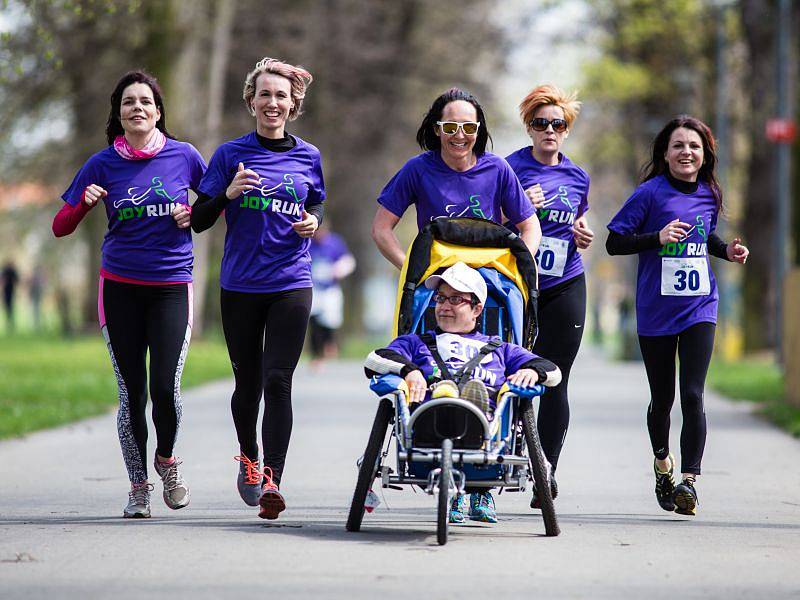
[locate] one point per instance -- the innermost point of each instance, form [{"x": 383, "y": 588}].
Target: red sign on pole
[{"x": 781, "y": 131}]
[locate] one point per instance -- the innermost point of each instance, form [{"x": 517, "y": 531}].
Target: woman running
[
  {"x": 669, "y": 221},
  {"x": 454, "y": 177},
  {"x": 558, "y": 190},
  {"x": 145, "y": 296},
  {"x": 269, "y": 183}
]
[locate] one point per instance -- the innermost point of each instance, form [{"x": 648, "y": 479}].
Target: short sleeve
[
  {"x": 218, "y": 175},
  {"x": 633, "y": 213},
  {"x": 515, "y": 204},
  {"x": 89, "y": 174},
  {"x": 583, "y": 207},
  {"x": 516, "y": 356},
  {"x": 316, "y": 191},
  {"x": 197, "y": 167},
  {"x": 400, "y": 192}
]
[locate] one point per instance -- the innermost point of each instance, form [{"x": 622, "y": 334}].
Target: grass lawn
[
  {"x": 756, "y": 380},
  {"x": 46, "y": 382}
]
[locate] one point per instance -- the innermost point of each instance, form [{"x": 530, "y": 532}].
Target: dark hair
[
  {"x": 426, "y": 136},
  {"x": 657, "y": 164},
  {"x": 113, "y": 125}
]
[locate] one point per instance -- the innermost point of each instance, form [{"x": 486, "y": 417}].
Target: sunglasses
[
  {"x": 454, "y": 300},
  {"x": 540, "y": 124},
  {"x": 452, "y": 127}
]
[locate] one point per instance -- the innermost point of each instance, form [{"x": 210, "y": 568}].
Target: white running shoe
[
  {"x": 176, "y": 490},
  {"x": 138, "y": 501}
]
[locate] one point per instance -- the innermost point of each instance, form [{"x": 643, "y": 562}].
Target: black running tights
[
  {"x": 265, "y": 335},
  {"x": 694, "y": 346},
  {"x": 562, "y": 314}
]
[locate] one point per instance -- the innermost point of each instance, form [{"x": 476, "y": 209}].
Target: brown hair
[{"x": 297, "y": 76}]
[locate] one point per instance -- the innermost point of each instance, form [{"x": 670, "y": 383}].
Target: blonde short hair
[
  {"x": 299, "y": 78},
  {"x": 549, "y": 94}
]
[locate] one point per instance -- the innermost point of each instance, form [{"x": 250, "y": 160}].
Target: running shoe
[
  {"x": 444, "y": 389},
  {"x": 685, "y": 498},
  {"x": 475, "y": 391},
  {"x": 665, "y": 485},
  {"x": 138, "y": 501},
  {"x": 248, "y": 482},
  {"x": 535, "y": 502},
  {"x": 271, "y": 501},
  {"x": 481, "y": 507},
  {"x": 176, "y": 490},
  {"x": 459, "y": 508}
]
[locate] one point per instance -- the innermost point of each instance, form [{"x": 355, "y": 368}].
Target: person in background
[
  {"x": 10, "y": 279},
  {"x": 331, "y": 262}
]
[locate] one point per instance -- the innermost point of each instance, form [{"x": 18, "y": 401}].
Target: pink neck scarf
[{"x": 153, "y": 146}]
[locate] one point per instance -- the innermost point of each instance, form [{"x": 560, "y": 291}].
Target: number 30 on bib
[
  {"x": 685, "y": 277},
  {"x": 552, "y": 256}
]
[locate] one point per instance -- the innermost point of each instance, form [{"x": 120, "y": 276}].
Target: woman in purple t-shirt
[
  {"x": 669, "y": 222},
  {"x": 145, "y": 296},
  {"x": 453, "y": 177},
  {"x": 558, "y": 190},
  {"x": 269, "y": 184}
]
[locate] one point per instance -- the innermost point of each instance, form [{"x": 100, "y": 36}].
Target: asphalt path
[{"x": 62, "y": 493}]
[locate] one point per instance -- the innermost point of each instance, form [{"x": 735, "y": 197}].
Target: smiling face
[
  {"x": 457, "y": 147},
  {"x": 548, "y": 142},
  {"x": 684, "y": 154},
  {"x": 456, "y": 319},
  {"x": 138, "y": 112},
  {"x": 271, "y": 104}
]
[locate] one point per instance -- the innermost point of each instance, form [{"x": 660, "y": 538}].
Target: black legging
[
  {"x": 136, "y": 319},
  {"x": 694, "y": 346},
  {"x": 562, "y": 314},
  {"x": 265, "y": 334}
]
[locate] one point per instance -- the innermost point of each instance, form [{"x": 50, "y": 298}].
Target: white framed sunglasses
[{"x": 452, "y": 127}]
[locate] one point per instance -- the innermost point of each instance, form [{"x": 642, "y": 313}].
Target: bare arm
[
  {"x": 383, "y": 233},
  {"x": 531, "y": 233}
]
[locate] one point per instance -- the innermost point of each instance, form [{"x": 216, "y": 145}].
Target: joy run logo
[
  {"x": 137, "y": 208},
  {"x": 262, "y": 198},
  {"x": 472, "y": 209}
]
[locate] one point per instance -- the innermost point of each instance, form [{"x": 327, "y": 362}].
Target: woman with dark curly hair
[
  {"x": 669, "y": 221},
  {"x": 453, "y": 177}
]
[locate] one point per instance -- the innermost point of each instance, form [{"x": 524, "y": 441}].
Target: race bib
[
  {"x": 552, "y": 256},
  {"x": 685, "y": 277}
]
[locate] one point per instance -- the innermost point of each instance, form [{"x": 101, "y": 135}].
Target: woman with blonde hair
[
  {"x": 558, "y": 190},
  {"x": 270, "y": 185}
]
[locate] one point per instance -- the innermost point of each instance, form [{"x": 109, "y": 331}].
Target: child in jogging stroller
[{"x": 460, "y": 378}]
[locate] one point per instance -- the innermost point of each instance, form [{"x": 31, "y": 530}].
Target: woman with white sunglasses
[
  {"x": 453, "y": 177},
  {"x": 558, "y": 191}
]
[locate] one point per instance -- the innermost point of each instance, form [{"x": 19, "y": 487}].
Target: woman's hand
[
  {"x": 737, "y": 252},
  {"x": 673, "y": 231},
  {"x": 244, "y": 181},
  {"x": 182, "y": 215},
  {"x": 536, "y": 196},
  {"x": 524, "y": 378},
  {"x": 417, "y": 386},
  {"x": 583, "y": 235},
  {"x": 306, "y": 227},
  {"x": 93, "y": 194}
]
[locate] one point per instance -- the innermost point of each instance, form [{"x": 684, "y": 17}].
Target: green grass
[
  {"x": 46, "y": 382},
  {"x": 760, "y": 381}
]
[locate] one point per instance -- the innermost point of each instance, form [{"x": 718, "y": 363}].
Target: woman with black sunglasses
[
  {"x": 558, "y": 190},
  {"x": 454, "y": 177},
  {"x": 669, "y": 222}
]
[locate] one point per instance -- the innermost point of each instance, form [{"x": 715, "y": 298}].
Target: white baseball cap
[{"x": 462, "y": 278}]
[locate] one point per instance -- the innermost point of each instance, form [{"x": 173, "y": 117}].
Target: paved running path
[{"x": 62, "y": 494}]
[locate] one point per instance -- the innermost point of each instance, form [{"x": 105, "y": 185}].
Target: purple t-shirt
[
  {"x": 456, "y": 349},
  {"x": 325, "y": 252},
  {"x": 675, "y": 286},
  {"x": 566, "y": 192},
  {"x": 263, "y": 253},
  {"x": 488, "y": 190},
  {"x": 143, "y": 241}
]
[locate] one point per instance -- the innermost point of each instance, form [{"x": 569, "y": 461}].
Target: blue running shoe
[
  {"x": 459, "y": 509},
  {"x": 481, "y": 507}
]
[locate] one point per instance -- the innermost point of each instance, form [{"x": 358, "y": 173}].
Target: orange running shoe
[{"x": 271, "y": 502}]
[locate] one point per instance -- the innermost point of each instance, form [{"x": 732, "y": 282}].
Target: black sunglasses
[{"x": 540, "y": 124}]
